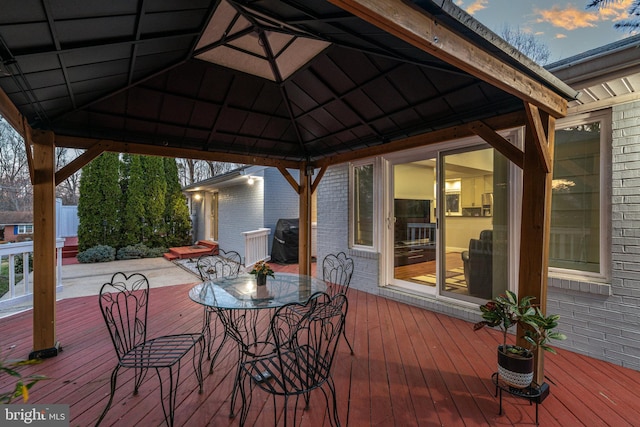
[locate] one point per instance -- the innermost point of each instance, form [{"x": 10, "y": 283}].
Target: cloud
[
  {"x": 569, "y": 18},
  {"x": 475, "y": 5},
  {"x": 615, "y": 10},
  {"x": 560, "y": 36}
]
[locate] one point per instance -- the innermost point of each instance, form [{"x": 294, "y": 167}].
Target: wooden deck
[{"x": 411, "y": 367}]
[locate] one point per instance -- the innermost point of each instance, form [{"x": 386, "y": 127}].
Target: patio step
[{"x": 201, "y": 247}]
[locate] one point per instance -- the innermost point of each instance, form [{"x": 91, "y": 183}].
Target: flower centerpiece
[
  {"x": 515, "y": 363},
  {"x": 261, "y": 270}
]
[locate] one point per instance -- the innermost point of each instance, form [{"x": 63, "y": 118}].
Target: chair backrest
[
  {"x": 480, "y": 280},
  {"x": 306, "y": 337},
  {"x": 486, "y": 235},
  {"x": 337, "y": 270},
  {"x": 225, "y": 264},
  {"x": 123, "y": 303}
]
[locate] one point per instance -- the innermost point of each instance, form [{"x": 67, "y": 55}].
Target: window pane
[
  {"x": 363, "y": 205},
  {"x": 575, "y": 207}
]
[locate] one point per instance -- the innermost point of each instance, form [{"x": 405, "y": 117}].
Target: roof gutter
[{"x": 480, "y": 34}]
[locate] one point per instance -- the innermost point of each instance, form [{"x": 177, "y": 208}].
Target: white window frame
[
  {"x": 604, "y": 117},
  {"x": 25, "y": 229},
  {"x": 375, "y": 163}
]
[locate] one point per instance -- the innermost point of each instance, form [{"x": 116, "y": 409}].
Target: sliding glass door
[
  {"x": 414, "y": 224},
  {"x": 448, "y": 224}
]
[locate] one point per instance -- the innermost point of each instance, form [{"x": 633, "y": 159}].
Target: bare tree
[
  {"x": 526, "y": 43},
  {"x": 633, "y": 10},
  {"x": 16, "y": 192},
  {"x": 69, "y": 189},
  {"x": 191, "y": 171}
]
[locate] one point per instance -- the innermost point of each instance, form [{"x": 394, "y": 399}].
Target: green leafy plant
[
  {"x": 506, "y": 311},
  {"x": 23, "y": 383}
]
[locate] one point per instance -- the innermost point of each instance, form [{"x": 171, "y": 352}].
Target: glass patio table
[{"x": 240, "y": 303}]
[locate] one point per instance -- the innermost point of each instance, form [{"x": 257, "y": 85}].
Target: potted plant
[
  {"x": 261, "y": 270},
  {"x": 515, "y": 363}
]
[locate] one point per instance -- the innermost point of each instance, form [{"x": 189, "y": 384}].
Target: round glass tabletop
[{"x": 241, "y": 292}]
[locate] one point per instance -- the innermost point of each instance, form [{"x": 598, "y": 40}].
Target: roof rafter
[{"x": 416, "y": 27}]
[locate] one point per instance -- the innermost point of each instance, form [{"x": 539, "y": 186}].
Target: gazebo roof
[{"x": 290, "y": 80}]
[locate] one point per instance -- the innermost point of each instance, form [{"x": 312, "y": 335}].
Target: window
[
  {"x": 24, "y": 229},
  {"x": 362, "y": 205},
  {"x": 578, "y": 202}
]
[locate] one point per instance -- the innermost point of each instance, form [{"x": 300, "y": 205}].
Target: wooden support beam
[
  {"x": 535, "y": 228},
  {"x": 291, "y": 180},
  {"x": 304, "y": 225},
  {"x": 80, "y": 161},
  {"x": 505, "y": 147},
  {"x": 415, "y": 26},
  {"x": 185, "y": 153},
  {"x": 11, "y": 113},
  {"x": 316, "y": 181},
  {"x": 26, "y": 132},
  {"x": 539, "y": 136},
  {"x": 506, "y": 121},
  {"x": 44, "y": 247}
]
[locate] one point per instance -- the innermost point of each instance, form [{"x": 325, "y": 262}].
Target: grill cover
[{"x": 284, "y": 249}]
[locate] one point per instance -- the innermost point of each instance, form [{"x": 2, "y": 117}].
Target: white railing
[
  {"x": 23, "y": 290},
  {"x": 570, "y": 244},
  {"x": 256, "y": 246}
]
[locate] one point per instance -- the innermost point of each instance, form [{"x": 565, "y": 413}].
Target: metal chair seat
[{"x": 160, "y": 352}]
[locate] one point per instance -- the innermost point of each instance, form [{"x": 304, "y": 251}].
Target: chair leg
[
  {"x": 114, "y": 377},
  {"x": 198, "y": 353},
  {"x": 173, "y": 392},
  {"x": 344, "y": 334},
  {"x": 139, "y": 375},
  {"x": 331, "y": 411}
]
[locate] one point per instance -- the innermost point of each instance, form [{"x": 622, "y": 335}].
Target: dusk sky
[{"x": 566, "y": 27}]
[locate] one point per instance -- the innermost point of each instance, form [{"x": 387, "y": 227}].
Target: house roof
[
  {"x": 604, "y": 75},
  {"x": 290, "y": 80},
  {"x": 15, "y": 218}
]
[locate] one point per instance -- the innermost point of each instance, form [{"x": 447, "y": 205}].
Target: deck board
[{"x": 411, "y": 367}]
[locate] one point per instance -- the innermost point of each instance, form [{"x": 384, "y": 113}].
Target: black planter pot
[{"x": 514, "y": 369}]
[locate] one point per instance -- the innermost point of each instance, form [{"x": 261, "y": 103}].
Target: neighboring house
[
  {"x": 383, "y": 212},
  {"x": 16, "y": 226},
  {"x": 246, "y": 199}
]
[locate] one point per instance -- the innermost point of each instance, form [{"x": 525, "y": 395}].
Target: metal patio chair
[
  {"x": 124, "y": 306},
  {"x": 306, "y": 337},
  {"x": 225, "y": 264},
  {"x": 337, "y": 270}
]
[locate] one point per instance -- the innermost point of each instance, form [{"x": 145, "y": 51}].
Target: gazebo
[{"x": 300, "y": 85}]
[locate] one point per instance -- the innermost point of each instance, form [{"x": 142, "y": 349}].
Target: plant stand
[{"x": 534, "y": 393}]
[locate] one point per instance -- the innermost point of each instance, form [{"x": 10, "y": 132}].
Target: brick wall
[
  {"x": 240, "y": 209},
  {"x": 281, "y": 201},
  {"x": 333, "y": 229},
  {"x": 603, "y": 321}
]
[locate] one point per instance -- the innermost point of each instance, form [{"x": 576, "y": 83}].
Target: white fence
[
  {"x": 67, "y": 220},
  {"x": 256, "y": 246},
  {"x": 22, "y": 291}
]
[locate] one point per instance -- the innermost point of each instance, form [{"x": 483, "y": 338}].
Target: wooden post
[
  {"x": 44, "y": 247},
  {"x": 304, "y": 240},
  {"x": 535, "y": 226}
]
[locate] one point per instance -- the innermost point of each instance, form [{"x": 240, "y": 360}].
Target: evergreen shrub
[
  {"x": 139, "y": 250},
  {"x": 99, "y": 253},
  {"x": 156, "y": 252}
]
